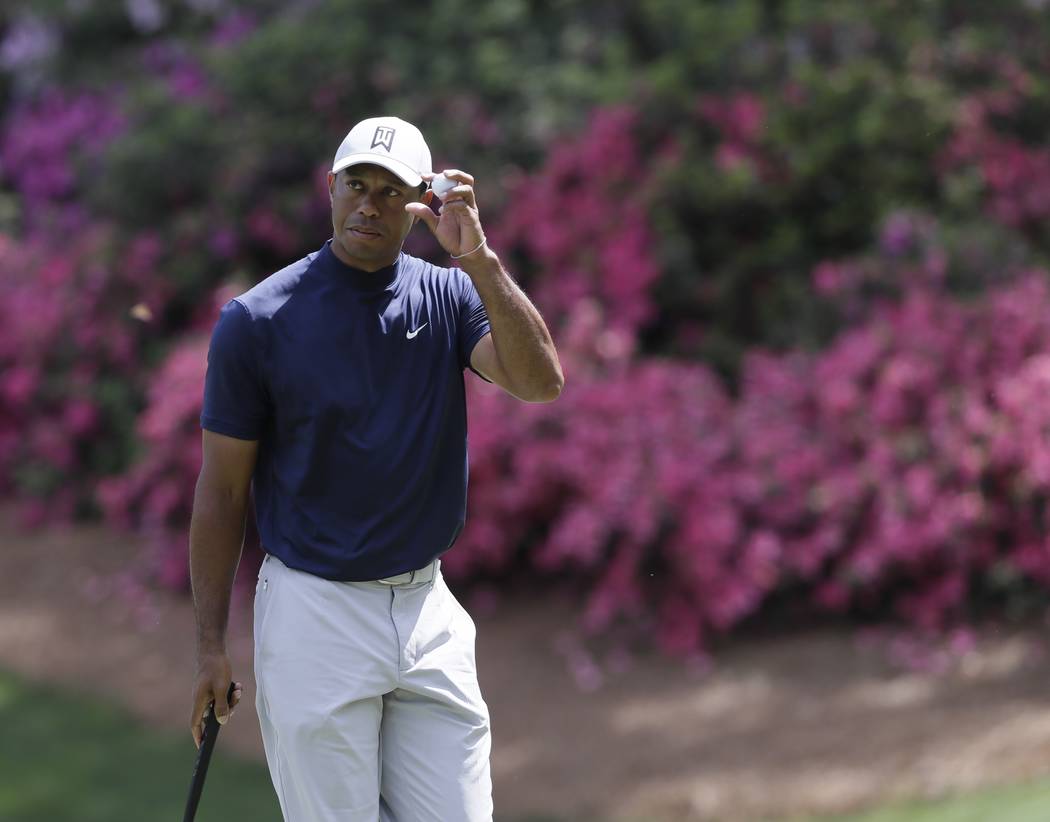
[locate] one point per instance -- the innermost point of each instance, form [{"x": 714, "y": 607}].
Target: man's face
[{"x": 369, "y": 221}]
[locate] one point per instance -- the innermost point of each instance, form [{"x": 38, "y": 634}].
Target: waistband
[{"x": 417, "y": 577}]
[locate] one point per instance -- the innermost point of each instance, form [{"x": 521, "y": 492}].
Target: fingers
[
  {"x": 460, "y": 208},
  {"x": 215, "y": 692},
  {"x": 465, "y": 189},
  {"x": 462, "y": 176},
  {"x": 456, "y": 225},
  {"x": 461, "y": 193},
  {"x": 220, "y": 688},
  {"x": 424, "y": 213},
  {"x": 201, "y": 700}
]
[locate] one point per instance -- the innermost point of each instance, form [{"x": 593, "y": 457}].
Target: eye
[
  {"x": 354, "y": 184},
  {"x": 392, "y": 192}
]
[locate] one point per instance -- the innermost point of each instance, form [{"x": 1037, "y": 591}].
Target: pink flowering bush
[
  {"x": 155, "y": 496},
  {"x": 49, "y": 143},
  {"x": 606, "y": 250},
  {"x": 795, "y": 277},
  {"x": 901, "y": 469},
  {"x": 990, "y": 139},
  {"x": 70, "y": 354}
]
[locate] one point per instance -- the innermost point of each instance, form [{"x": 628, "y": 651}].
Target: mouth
[{"x": 364, "y": 232}]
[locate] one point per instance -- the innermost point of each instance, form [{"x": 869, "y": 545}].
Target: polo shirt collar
[{"x": 369, "y": 282}]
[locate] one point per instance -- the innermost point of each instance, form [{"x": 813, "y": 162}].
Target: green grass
[
  {"x": 68, "y": 758},
  {"x": 65, "y": 757},
  {"x": 1018, "y": 803}
]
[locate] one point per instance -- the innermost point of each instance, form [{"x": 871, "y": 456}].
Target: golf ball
[{"x": 442, "y": 185}]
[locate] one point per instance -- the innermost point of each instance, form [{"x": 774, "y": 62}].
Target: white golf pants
[{"x": 368, "y": 700}]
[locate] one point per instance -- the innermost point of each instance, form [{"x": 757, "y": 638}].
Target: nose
[{"x": 366, "y": 206}]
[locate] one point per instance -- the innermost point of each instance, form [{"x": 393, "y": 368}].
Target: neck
[{"x": 358, "y": 263}]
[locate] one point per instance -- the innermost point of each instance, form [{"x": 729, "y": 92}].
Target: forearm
[
  {"x": 216, "y": 538},
  {"x": 521, "y": 339}
]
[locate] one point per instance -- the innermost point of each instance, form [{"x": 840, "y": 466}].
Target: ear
[{"x": 331, "y": 187}]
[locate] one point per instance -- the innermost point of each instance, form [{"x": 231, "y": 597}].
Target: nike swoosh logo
[{"x": 412, "y": 334}]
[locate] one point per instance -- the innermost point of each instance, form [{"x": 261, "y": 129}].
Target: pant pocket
[{"x": 265, "y": 589}]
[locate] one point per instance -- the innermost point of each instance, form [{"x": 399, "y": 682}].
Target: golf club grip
[{"x": 200, "y": 767}]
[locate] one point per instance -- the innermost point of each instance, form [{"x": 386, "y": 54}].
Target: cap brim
[{"x": 402, "y": 170}]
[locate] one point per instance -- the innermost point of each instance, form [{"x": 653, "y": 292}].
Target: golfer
[{"x": 335, "y": 393}]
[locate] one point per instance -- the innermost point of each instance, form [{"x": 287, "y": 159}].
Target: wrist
[
  {"x": 483, "y": 244},
  {"x": 483, "y": 262},
  {"x": 211, "y": 646}
]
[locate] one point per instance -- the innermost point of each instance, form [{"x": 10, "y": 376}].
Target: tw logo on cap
[{"x": 384, "y": 137}]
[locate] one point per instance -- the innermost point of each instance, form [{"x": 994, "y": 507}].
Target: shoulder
[{"x": 264, "y": 299}]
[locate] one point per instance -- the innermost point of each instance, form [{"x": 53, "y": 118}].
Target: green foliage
[
  {"x": 858, "y": 101},
  {"x": 170, "y": 162}
]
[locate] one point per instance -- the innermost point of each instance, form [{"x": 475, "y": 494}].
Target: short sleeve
[
  {"x": 473, "y": 319},
  {"x": 235, "y": 398}
]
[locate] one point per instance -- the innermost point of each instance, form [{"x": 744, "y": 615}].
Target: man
[{"x": 336, "y": 385}]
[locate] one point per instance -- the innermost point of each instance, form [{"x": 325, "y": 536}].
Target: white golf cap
[{"x": 390, "y": 142}]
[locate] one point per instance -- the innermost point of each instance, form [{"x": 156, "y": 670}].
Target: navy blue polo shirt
[{"x": 352, "y": 382}]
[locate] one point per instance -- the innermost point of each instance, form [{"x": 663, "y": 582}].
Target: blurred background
[{"x": 780, "y": 551}]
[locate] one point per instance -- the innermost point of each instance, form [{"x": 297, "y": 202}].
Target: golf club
[{"x": 200, "y": 768}]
